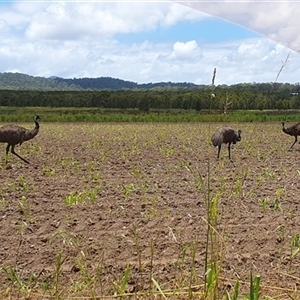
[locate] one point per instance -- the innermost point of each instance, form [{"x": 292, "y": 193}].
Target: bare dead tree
[
  {"x": 283, "y": 65},
  {"x": 226, "y": 104}
]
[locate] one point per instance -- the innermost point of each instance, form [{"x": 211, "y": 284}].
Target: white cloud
[
  {"x": 78, "y": 39},
  {"x": 77, "y": 20},
  {"x": 185, "y": 51},
  {"x": 247, "y": 60},
  {"x": 177, "y": 13},
  {"x": 276, "y": 20}
]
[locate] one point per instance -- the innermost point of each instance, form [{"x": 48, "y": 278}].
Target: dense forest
[
  {"x": 232, "y": 98},
  {"x": 109, "y": 93}
]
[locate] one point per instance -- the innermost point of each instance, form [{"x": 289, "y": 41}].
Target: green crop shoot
[{"x": 254, "y": 287}]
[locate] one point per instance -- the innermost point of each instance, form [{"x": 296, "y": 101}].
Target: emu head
[{"x": 37, "y": 118}]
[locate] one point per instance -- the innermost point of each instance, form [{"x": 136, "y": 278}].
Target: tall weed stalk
[{"x": 212, "y": 251}]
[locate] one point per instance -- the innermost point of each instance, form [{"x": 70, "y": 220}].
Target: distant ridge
[{"x": 19, "y": 81}]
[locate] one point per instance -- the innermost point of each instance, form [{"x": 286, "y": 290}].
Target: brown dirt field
[{"x": 141, "y": 192}]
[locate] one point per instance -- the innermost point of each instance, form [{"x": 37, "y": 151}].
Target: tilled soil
[{"x": 99, "y": 199}]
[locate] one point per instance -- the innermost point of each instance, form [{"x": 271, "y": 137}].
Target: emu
[
  {"x": 293, "y": 130},
  {"x": 225, "y": 135},
  {"x": 14, "y": 134}
]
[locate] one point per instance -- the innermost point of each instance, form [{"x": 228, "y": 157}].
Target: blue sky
[
  {"x": 210, "y": 30},
  {"x": 152, "y": 41}
]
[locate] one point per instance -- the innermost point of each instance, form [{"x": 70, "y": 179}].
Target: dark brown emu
[
  {"x": 293, "y": 130},
  {"x": 225, "y": 135},
  {"x": 14, "y": 134}
]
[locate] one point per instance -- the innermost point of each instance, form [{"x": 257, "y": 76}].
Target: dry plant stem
[
  {"x": 226, "y": 104},
  {"x": 151, "y": 264},
  {"x": 15, "y": 268},
  {"x": 137, "y": 244},
  {"x": 212, "y": 87},
  {"x": 58, "y": 268},
  {"x": 99, "y": 272},
  {"x": 18, "y": 251},
  {"x": 208, "y": 201},
  {"x": 192, "y": 271},
  {"x": 283, "y": 64},
  {"x": 208, "y": 226}
]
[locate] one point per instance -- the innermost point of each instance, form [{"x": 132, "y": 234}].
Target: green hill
[{"x": 18, "y": 81}]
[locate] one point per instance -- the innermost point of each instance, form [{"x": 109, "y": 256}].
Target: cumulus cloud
[
  {"x": 185, "y": 51},
  {"x": 80, "y": 39},
  {"x": 252, "y": 60},
  {"x": 75, "y": 20}
]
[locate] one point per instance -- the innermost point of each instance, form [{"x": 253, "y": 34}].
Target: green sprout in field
[
  {"x": 78, "y": 198},
  {"x": 48, "y": 171},
  {"x": 69, "y": 239},
  {"x": 295, "y": 245},
  {"x": 151, "y": 209},
  {"x": 264, "y": 203},
  {"x": 86, "y": 280},
  {"x": 19, "y": 184},
  {"x": 96, "y": 177},
  {"x": 281, "y": 231},
  {"x": 167, "y": 150},
  {"x": 3, "y": 202},
  {"x": 64, "y": 162},
  {"x": 128, "y": 188},
  {"x": 293, "y": 215},
  {"x": 136, "y": 170},
  {"x": 120, "y": 286},
  {"x": 276, "y": 205},
  {"x": 23, "y": 184},
  {"x": 137, "y": 243},
  {"x": 91, "y": 166},
  {"x": 16, "y": 279},
  {"x": 187, "y": 255},
  {"x": 267, "y": 173},
  {"x": 25, "y": 211}
]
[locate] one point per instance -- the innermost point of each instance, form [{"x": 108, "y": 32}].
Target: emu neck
[
  {"x": 286, "y": 131},
  {"x": 37, "y": 125},
  {"x": 283, "y": 129},
  {"x": 30, "y": 134}
]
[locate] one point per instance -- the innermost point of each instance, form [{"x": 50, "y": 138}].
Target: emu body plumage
[
  {"x": 293, "y": 130},
  {"x": 14, "y": 134},
  {"x": 225, "y": 135}
]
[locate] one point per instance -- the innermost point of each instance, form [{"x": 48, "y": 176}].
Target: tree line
[
  {"x": 238, "y": 97},
  {"x": 19, "y": 81}
]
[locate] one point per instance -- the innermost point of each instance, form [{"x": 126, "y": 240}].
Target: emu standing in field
[
  {"x": 293, "y": 130},
  {"x": 225, "y": 135},
  {"x": 14, "y": 134}
]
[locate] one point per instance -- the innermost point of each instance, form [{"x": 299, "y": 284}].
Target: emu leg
[
  {"x": 219, "y": 149},
  {"x": 6, "y": 153},
  {"x": 229, "y": 150},
  {"x": 13, "y": 152},
  {"x": 294, "y": 142}
]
